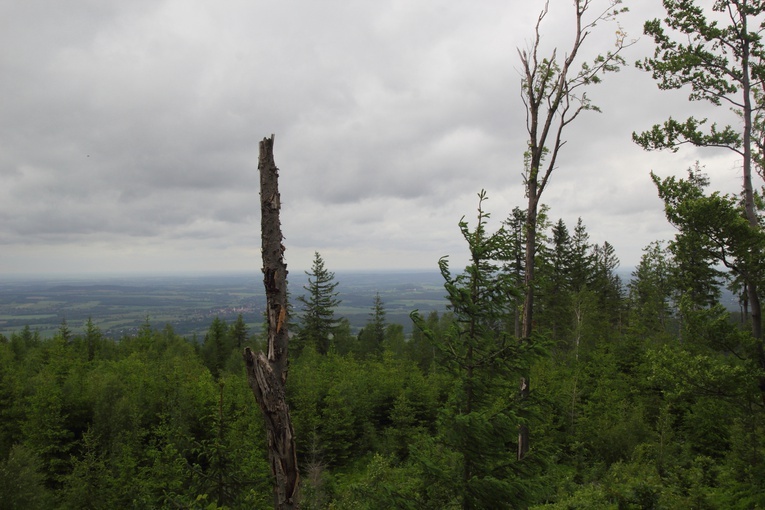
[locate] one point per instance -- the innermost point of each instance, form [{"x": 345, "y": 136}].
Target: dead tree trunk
[{"x": 267, "y": 373}]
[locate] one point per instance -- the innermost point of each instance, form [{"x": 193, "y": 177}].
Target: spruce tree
[
  {"x": 216, "y": 347},
  {"x": 478, "y": 426},
  {"x": 93, "y": 338},
  {"x": 317, "y": 321},
  {"x": 554, "y": 284},
  {"x": 239, "y": 332},
  {"x": 514, "y": 256},
  {"x": 607, "y": 284},
  {"x": 581, "y": 257},
  {"x": 650, "y": 293},
  {"x": 372, "y": 336}
]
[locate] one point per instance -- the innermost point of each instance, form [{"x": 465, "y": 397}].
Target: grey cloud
[{"x": 137, "y": 124}]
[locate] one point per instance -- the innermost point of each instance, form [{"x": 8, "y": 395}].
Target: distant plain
[{"x": 120, "y": 305}]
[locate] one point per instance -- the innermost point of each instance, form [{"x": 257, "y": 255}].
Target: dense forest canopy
[{"x": 643, "y": 399}]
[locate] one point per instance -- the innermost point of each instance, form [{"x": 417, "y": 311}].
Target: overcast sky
[{"x": 129, "y": 131}]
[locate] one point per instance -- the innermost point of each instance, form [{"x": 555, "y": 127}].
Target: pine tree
[
  {"x": 372, "y": 335},
  {"x": 606, "y": 283},
  {"x": 581, "y": 257},
  {"x": 554, "y": 284},
  {"x": 514, "y": 256},
  {"x": 479, "y": 425},
  {"x": 650, "y": 292},
  {"x": 217, "y": 346},
  {"x": 317, "y": 322},
  {"x": 239, "y": 332},
  {"x": 64, "y": 333},
  {"x": 93, "y": 338}
]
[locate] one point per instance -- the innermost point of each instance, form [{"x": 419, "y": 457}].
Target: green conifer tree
[
  {"x": 372, "y": 336},
  {"x": 554, "y": 284},
  {"x": 650, "y": 293},
  {"x": 479, "y": 425},
  {"x": 239, "y": 332},
  {"x": 217, "y": 346},
  {"x": 317, "y": 321}
]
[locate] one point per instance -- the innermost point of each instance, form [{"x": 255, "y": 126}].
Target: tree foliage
[
  {"x": 478, "y": 429},
  {"x": 658, "y": 410},
  {"x": 317, "y": 321}
]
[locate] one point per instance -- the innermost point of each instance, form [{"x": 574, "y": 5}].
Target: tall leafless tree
[{"x": 554, "y": 93}]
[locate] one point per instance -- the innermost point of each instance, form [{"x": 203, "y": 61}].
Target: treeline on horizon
[{"x": 643, "y": 397}]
